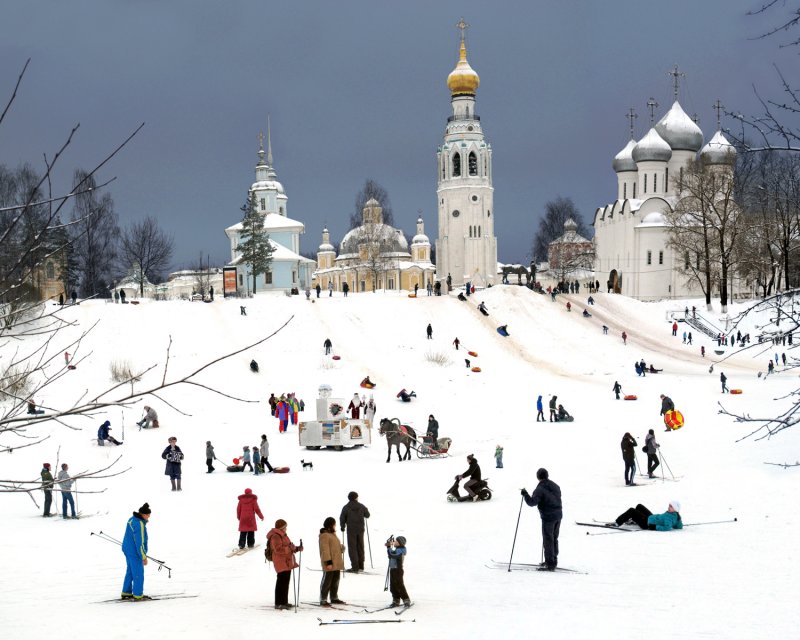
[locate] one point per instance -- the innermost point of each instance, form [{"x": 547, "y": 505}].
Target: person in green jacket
[
  {"x": 47, "y": 487},
  {"x": 645, "y": 519}
]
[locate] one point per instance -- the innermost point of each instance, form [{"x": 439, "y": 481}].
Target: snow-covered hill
[{"x": 726, "y": 580}]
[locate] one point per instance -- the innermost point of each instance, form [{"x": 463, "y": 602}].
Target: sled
[
  {"x": 234, "y": 468},
  {"x": 280, "y": 469},
  {"x": 735, "y": 392},
  {"x": 71, "y": 367},
  {"x": 630, "y": 397},
  {"x": 425, "y": 449},
  {"x": 476, "y": 369},
  {"x": 412, "y": 295},
  {"x": 336, "y": 357},
  {"x": 365, "y": 385},
  {"x": 474, "y": 354},
  {"x": 673, "y": 420},
  {"x": 502, "y": 333}
]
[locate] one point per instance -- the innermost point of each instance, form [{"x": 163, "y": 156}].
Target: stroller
[{"x": 481, "y": 490}]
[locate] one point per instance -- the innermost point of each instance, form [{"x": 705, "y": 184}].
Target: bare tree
[
  {"x": 551, "y": 225},
  {"x": 146, "y": 249},
  {"x": 371, "y": 190}
]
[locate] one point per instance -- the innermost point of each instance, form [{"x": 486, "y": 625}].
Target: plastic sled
[
  {"x": 735, "y": 392},
  {"x": 234, "y": 468},
  {"x": 476, "y": 369},
  {"x": 502, "y": 333},
  {"x": 280, "y": 469},
  {"x": 474, "y": 354},
  {"x": 364, "y": 385},
  {"x": 630, "y": 397},
  {"x": 412, "y": 295},
  {"x": 673, "y": 420},
  {"x": 336, "y": 357}
]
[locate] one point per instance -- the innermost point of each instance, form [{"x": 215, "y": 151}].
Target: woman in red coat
[
  {"x": 283, "y": 559},
  {"x": 246, "y": 512}
]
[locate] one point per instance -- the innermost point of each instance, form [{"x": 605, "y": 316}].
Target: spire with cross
[
  {"x": 462, "y": 26},
  {"x": 696, "y": 119},
  {"x": 652, "y": 105},
  {"x": 676, "y": 79},
  {"x": 719, "y": 108},
  {"x": 631, "y": 116}
]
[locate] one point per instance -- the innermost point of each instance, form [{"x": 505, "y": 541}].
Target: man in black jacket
[
  {"x": 473, "y": 473},
  {"x": 351, "y": 521},
  {"x": 547, "y": 496},
  {"x": 666, "y": 404}
]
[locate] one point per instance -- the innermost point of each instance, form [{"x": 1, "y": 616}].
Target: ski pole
[
  {"x": 516, "y": 529},
  {"x": 664, "y": 460},
  {"x": 161, "y": 564},
  {"x": 698, "y": 524},
  {"x": 369, "y": 546},
  {"x": 299, "y": 575}
]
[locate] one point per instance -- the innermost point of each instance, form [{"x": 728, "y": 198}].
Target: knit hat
[
  {"x": 247, "y": 492},
  {"x": 144, "y": 509},
  {"x": 676, "y": 505},
  {"x": 542, "y": 474},
  {"x": 280, "y": 523},
  {"x": 401, "y": 540},
  {"x": 46, "y": 465}
]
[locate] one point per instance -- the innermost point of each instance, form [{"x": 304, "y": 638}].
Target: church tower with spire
[{"x": 466, "y": 249}]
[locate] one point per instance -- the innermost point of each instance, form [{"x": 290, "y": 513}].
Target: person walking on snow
[
  {"x": 617, "y": 389},
  {"x": 674, "y": 328},
  {"x": 331, "y": 557},
  {"x": 256, "y": 460},
  {"x": 396, "y": 550},
  {"x": 352, "y": 522},
  {"x": 245, "y": 459},
  {"x": 210, "y": 456},
  {"x": 263, "y": 450},
  {"x": 651, "y": 449},
  {"x": 456, "y": 342},
  {"x": 355, "y": 407},
  {"x": 173, "y": 455},
  {"x": 246, "y": 511},
  {"x": 47, "y": 487},
  {"x": 628, "y": 445},
  {"x": 318, "y": 289},
  {"x": 330, "y": 289},
  {"x": 328, "y": 345},
  {"x": 624, "y": 338},
  {"x": 666, "y": 404},
  {"x": 552, "y": 404},
  {"x": 539, "y": 410},
  {"x": 134, "y": 546},
  {"x": 547, "y": 496},
  {"x": 65, "y": 484},
  {"x": 429, "y": 331},
  {"x": 724, "y": 380}
]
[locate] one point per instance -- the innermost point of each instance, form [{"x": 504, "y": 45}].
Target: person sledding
[
  {"x": 563, "y": 415},
  {"x": 586, "y": 314},
  {"x": 482, "y": 309},
  {"x": 462, "y": 297},
  {"x": 503, "y": 330},
  {"x": 405, "y": 396},
  {"x": 103, "y": 435},
  {"x": 366, "y": 383},
  {"x": 652, "y": 369}
]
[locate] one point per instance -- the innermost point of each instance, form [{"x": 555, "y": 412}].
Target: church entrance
[{"x": 614, "y": 283}]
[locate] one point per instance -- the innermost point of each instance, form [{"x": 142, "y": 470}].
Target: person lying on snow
[
  {"x": 645, "y": 519},
  {"x": 405, "y": 396},
  {"x": 563, "y": 415},
  {"x": 652, "y": 369}
]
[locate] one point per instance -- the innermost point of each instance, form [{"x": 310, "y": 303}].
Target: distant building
[
  {"x": 289, "y": 270},
  {"x": 375, "y": 256}
]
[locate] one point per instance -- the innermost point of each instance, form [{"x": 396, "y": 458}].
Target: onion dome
[
  {"x": 463, "y": 80},
  {"x": 652, "y": 148},
  {"x": 678, "y": 129},
  {"x": 718, "y": 150},
  {"x": 420, "y": 238},
  {"x": 326, "y": 245},
  {"x": 623, "y": 161}
]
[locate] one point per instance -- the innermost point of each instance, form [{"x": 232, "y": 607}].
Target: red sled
[
  {"x": 280, "y": 469},
  {"x": 336, "y": 357},
  {"x": 474, "y": 354},
  {"x": 631, "y": 397}
]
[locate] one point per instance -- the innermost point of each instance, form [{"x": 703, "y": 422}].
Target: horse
[{"x": 397, "y": 434}]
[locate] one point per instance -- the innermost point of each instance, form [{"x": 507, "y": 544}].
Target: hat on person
[
  {"x": 144, "y": 509},
  {"x": 280, "y": 523},
  {"x": 352, "y": 495},
  {"x": 247, "y": 492},
  {"x": 106, "y": 424},
  {"x": 46, "y": 465},
  {"x": 676, "y": 505},
  {"x": 401, "y": 540},
  {"x": 542, "y": 474}
]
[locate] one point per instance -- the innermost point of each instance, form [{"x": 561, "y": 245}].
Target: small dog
[{"x": 307, "y": 465}]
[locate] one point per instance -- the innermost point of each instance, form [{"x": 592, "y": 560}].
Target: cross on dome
[
  {"x": 676, "y": 76},
  {"x": 652, "y": 105},
  {"x": 631, "y": 116},
  {"x": 463, "y": 26},
  {"x": 719, "y": 108}
]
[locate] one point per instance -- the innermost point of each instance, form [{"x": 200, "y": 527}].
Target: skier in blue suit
[{"x": 134, "y": 546}]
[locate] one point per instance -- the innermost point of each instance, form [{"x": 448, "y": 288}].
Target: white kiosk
[{"x": 333, "y": 428}]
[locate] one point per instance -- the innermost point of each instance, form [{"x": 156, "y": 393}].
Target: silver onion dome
[
  {"x": 623, "y": 161},
  {"x": 652, "y": 148},
  {"x": 718, "y": 150},
  {"x": 678, "y": 129}
]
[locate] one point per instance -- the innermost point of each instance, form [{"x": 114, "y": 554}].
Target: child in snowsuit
[
  {"x": 246, "y": 459},
  {"x": 498, "y": 457},
  {"x": 396, "y": 550},
  {"x": 256, "y": 460}
]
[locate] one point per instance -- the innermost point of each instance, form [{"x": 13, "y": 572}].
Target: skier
[
  {"x": 47, "y": 487},
  {"x": 539, "y": 410},
  {"x": 283, "y": 560},
  {"x": 173, "y": 455},
  {"x": 65, "y": 484},
  {"x": 547, "y": 496},
  {"x": 456, "y": 342},
  {"x": 103, "y": 434},
  {"x": 552, "y": 404},
  {"x": 429, "y": 331},
  {"x": 629, "y": 456},
  {"x": 651, "y": 449},
  {"x": 355, "y": 407},
  {"x": 134, "y": 546},
  {"x": 473, "y": 473},
  {"x": 263, "y": 451},
  {"x": 150, "y": 418},
  {"x": 210, "y": 456},
  {"x": 246, "y": 511},
  {"x": 617, "y": 389},
  {"x": 724, "y": 380},
  {"x": 352, "y": 522},
  {"x": 643, "y": 517},
  {"x": 666, "y": 404},
  {"x": 328, "y": 345},
  {"x": 331, "y": 556},
  {"x": 498, "y": 457},
  {"x": 396, "y": 550}
]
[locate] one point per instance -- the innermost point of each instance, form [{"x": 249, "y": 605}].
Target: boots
[
  {"x": 179, "y": 485},
  {"x": 172, "y": 481}
]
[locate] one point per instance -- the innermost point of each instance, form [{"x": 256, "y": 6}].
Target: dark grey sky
[{"x": 357, "y": 89}]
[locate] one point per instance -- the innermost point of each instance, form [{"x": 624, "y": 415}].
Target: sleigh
[{"x": 427, "y": 449}]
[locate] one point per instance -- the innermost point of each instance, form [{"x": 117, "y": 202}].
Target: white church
[
  {"x": 632, "y": 256},
  {"x": 466, "y": 249}
]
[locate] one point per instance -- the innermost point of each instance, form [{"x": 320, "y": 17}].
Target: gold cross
[{"x": 463, "y": 26}]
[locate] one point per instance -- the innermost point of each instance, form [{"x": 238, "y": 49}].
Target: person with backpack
[
  {"x": 173, "y": 455},
  {"x": 629, "y": 457},
  {"x": 331, "y": 557},
  {"x": 396, "y": 550},
  {"x": 280, "y": 551},
  {"x": 547, "y": 497},
  {"x": 352, "y": 521},
  {"x": 246, "y": 511},
  {"x": 651, "y": 449}
]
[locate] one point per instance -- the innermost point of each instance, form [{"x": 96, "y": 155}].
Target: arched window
[
  {"x": 457, "y": 165},
  {"x": 470, "y": 231},
  {"x": 624, "y": 190},
  {"x": 655, "y": 183},
  {"x": 50, "y": 270},
  {"x": 473, "y": 164},
  {"x": 666, "y": 179},
  {"x": 645, "y": 183},
  {"x": 649, "y": 257}
]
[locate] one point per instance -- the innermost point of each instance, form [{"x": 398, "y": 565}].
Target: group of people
[
  {"x": 64, "y": 482},
  {"x": 650, "y": 448},
  {"x": 285, "y": 408},
  {"x": 360, "y": 403}
]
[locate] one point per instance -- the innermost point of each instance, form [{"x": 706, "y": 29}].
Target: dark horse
[{"x": 397, "y": 434}]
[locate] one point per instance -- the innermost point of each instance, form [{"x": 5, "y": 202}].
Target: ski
[
  {"x": 360, "y": 621},
  {"x": 403, "y": 609},
  {"x": 605, "y": 525},
  {"x": 241, "y": 552},
  {"x": 362, "y": 572},
  {"x": 388, "y": 606},
  {"x": 336, "y": 606},
  {"x": 165, "y": 596},
  {"x": 81, "y": 515},
  {"x": 521, "y": 566}
]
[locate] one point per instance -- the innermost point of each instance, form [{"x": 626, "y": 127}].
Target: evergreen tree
[{"x": 254, "y": 244}]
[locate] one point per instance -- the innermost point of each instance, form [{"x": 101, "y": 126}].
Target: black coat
[
  {"x": 473, "y": 472},
  {"x": 667, "y": 405},
  {"x": 352, "y": 516},
  {"x": 628, "y": 445},
  {"x": 173, "y": 459},
  {"x": 547, "y": 496},
  {"x": 433, "y": 428}
]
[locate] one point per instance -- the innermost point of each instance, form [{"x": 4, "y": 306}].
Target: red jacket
[
  {"x": 282, "y": 550},
  {"x": 246, "y": 511}
]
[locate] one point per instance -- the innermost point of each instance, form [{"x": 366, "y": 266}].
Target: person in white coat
[
  {"x": 263, "y": 449},
  {"x": 370, "y": 410}
]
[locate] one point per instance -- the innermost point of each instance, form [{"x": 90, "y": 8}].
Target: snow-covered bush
[{"x": 438, "y": 358}]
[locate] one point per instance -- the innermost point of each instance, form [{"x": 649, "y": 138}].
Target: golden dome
[{"x": 463, "y": 79}]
